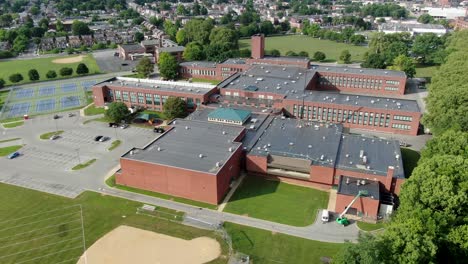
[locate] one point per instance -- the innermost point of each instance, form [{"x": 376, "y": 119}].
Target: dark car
[
  {"x": 13, "y": 155},
  {"x": 113, "y": 125},
  {"x": 56, "y": 116},
  {"x": 97, "y": 138},
  {"x": 158, "y": 130}
]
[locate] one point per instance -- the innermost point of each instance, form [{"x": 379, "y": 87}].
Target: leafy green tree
[
  {"x": 82, "y": 69},
  {"x": 426, "y": 45},
  {"x": 168, "y": 66},
  {"x": 199, "y": 30},
  {"x": 319, "y": 56},
  {"x": 193, "y": 52},
  {"x": 244, "y": 53},
  {"x": 275, "y": 53},
  {"x": 375, "y": 61},
  {"x": 2, "y": 83},
  {"x": 66, "y": 71},
  {"x": 425, "y": 19},
  {"x": 170, "y": 28},
  {"x": 80, "y": 28},
  {"x": 139, "y": 37},
  {"x": 393, "y": 50},
  {"x": 145, "y": 67},
  {"x": 33, "y": 75},
  {"x": 448, "y": 143},
  {"x": 34, "y": 10},
  {"x": 345, "y": 57},
  {"x": 59, "y": 26},
  {"x": 181, "y": 37},
  {"x": 21, "y": 43},
  {"x": 44, "y": 23},
  {"x": 369, "y": 250},
  {"x": 357, "y": 39},
  {"x": 117, "y": 112},
  {"x": 303, "y": 54},
  {"x": 175, "y": 107},
  {"x": 267, "y": 28},
  {"x": 51, "y": 74},
  {"x": 16, "y": 77},
  {"x": 221, "y": 35},
  {"x": 291, "y": 53},
  {"x": 181, "y": 11},
  {"x": 404, "y": 63}
]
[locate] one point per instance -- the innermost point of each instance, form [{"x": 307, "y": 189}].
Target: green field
[
  {"x": 299, "y": 43},
  {"x": 370, "y": 227},
  {"x": 42, "y": 65},
  {"x": 8, "y": 150},
  {"x": 13, "y": 124},
  {"x": 276, "y": 201},
  {"x": 93, "y": 110},
  {"x": 49, "y": 134}
]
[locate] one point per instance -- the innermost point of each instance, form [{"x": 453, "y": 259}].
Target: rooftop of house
[
  {"x": 191, "y": 145},
  {"x": 150, "y": 42},
  {"x": 409, "y": 27},
  {"x": 236, "y": 115},
  {"x": 372, "y": 155},
  {"x": 271, "y": 79},
  {"x": 352, "y": 186},
  {"x": 357, "y": 100},
  {"x": 175, "y": 87},
  {"x": 357, "y": 71},
  {"x": 294, "y": 138},
  {"x": 132, "y": 47}
]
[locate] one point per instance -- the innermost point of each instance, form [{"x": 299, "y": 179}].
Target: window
[
  {"x": 401, "y": 126},
  {"x": 133, "y": 97},
  {"x": 164, "y": 98},
  {"x": 157, "y": 99},
  {"x": 403, "y": 118},
  {"x": 227, "y": 93},
  {"x": 149, "y": 99},
  {"x": 236, "y": 94},
  {"x": 125, "y": 96},
  {"x": 141, "y": 98},
  {"x": 118, "y": 95}
]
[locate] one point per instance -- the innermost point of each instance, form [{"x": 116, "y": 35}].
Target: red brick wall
[
  {"x": 98, "y": 95},
  {"x": 258, "y": 46},
  {"x": 228, "y": 171},
  {"x": 173, "y": 181},
  {"x": 367, "y": 206},
  {"x": 256, "y": 164},
  {"x": 322, "y": 174}
]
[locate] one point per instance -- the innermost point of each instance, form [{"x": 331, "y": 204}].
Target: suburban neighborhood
[{"x": 233, "y": 131}]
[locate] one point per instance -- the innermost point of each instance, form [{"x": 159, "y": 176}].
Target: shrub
[
  {"x": 82, "y": 69},
  {"x": 33, "y": 75},
  {"x": 65, "y": 71},
  {"x": 16, "y": 77},
  {"x": 51, "y": 74}
]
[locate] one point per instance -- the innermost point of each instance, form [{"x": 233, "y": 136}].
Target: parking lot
[{"x": 47, "y": 163}]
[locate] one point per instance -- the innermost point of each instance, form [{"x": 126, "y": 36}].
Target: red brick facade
[
  {"x": 258, "y": 46},
  {"x": 365, "y": 206}
]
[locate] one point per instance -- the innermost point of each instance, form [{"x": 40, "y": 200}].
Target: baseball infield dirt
[
  {"x": 126, "y": 244},
  {"x": 68, "y": 60}
]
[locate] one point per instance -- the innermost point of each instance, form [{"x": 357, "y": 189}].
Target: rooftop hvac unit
[
  {"x": 364, "y": 159},
  {"x": 322, "y": 157},
  {"x": 159, "y": 148},
  {"x": 361, "y": 153},
  {"x": 218, "y": 164},
  {"x": 230, "y": 149},
  {"x": 397, "y": 156},
  {"x": 291, "y": 143},
  {"x": 200, "y": 155},
  {"x": 224, "y": 132}
]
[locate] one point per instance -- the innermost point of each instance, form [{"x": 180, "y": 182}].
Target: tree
[
  {"x": 357, "y": 39},
  {"x": 59, "y": 26},
  {"x": 426, "y": 45},
  {"x": 199, "y": 30},
  {"x": 393, "y": 50},
  {"x": 181, "y": 37},
  {"x": 319, "y": 56},
  {"x": 33, "y": 75},
  {"x": 175, "y": 107},
  {"x": 145, "y": 67},
  {"x": 291, "y": 53},
  {"x": 404, "y": 63},
  {"x": 2, "y": 83},
  {"x": 181, "y": 11},
  {"x": 375, "y": 61},
  {"x": 139, "y": 37},
  {"x": 224, "y": 35},
  {"x": 80, "y": 28},
  {"x": 267, "y": 28},
  {"x": 21, "y": 43},
  {"x": 82, "y": 69},
  {"x": 117, "y": 111},
  {"x": 44, "y": 23},
  {"x": 303, "y": 54},
  {"x": 275, "y": 53},
  {"x": 168, "y": 66},
  {"x": 193, "y": 52},
  {"x": 425, "y": 19},
  {"x": 34, "y": 10},
  {"x": 51, "y": 74},
  {"x": 244, "y": 53},
  {"x": 65, "y": 71},
  {"x": 368, "y": 250},
  {"x": 448, "y": 143},
  {"x": 16, "y": 77},
  {"x": 345, "y": 57}
]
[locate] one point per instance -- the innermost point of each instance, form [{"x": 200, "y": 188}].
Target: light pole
[
  {"x": 78, "y": 154},
  {"x": 115, "y": 129}
]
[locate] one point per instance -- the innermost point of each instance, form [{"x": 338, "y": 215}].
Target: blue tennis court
[
  {"x": 45, "y": 105},
  {"x": 19, "y": 109},
  {"x": 69, "y": 87},
  {"x": 70, "y": 101},
  {"x": 24, "y": 93},
  {"x": 88, "y": 84},
  {"x": 46, "y": 90}
]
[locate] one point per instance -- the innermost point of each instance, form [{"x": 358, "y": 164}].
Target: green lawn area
[
  {"x": 99, "y": 119},
  {"x": 299, "y": 43},
  {"x": 276, "y": 201},
  {"x": 13, "y": 124},
  {"x": 8, "y": 150},
  {"x": 43, "y": 65},
  {"x": 93, "y": 110},
  {"x": 265, "y": 247},
  {"x": 200, "y": 80},
  {"x": 370, "y": 227},
  {"x": 111, "y": 182},
  {"x": 114, "y": 144},
  {"x": 423, "y": 71},
  {"x": 410, "y": 160},
  {"x": 8, "y": 140},
  {"x": 49, "y": 134},
  {"x": 84, "y": 165},
  {"x": 101, "y": 214}
]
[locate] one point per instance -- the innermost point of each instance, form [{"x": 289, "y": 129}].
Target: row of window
[
  {"x": 149, "y": 99},
  {"x": 262, "y": 96},
  {"x": 401, "y": 126},
  {"x": 199, "y": 72},
  {"x": 224, "y": 121},
  {"x": 391, "y": 88},
  {"x": 392, "y": 82},
  {"x": 233, "y": 94},
  {"x": 351, "y": 82},
  {"x": 403, "y": 118}
]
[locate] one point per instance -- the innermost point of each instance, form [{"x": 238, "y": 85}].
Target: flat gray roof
[
  {"x": 205, "y": 64},
  {"x": 287, "y": 58},
  {"x": 182, "y": 145},
  {"x": 408, "y": 27},
  {"x": 379, "y": 153},
  {"x": 175, "y": 87},
  {"x": 349, "y": 186},
  {"x": 294, "y": 138},
  {"x": 172, "y": 49},
  {"x": 357, "y": 100},
  {"x": 234, "y": 61},
  {"x": 358, "y": 71},
  {"x": 273, "y": 79}
]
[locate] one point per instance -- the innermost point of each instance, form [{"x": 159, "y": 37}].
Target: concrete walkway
[
  {"x": 231, "y": 192},
  {"x": 329, "y": 232}
]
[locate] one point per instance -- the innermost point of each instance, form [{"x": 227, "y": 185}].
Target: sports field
[
  {"x": 43, "y": 65},
  {"x": 299, "y": 43}
]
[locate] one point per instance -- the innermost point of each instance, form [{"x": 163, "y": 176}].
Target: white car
[{"x": 103, "y": 139}]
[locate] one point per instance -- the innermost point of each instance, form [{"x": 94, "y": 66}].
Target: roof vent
[
  {"x": 358, "y": 183},
  {"x": 372, "y": 101},
  {"x": 347, "y": 180},
  {"x": 363, "y": 182},
  {"x": 200, "y": 156},
  {"x": 291, "y": 143},
  {"x": 218, "y": 164},
  {"x": 397, "y": 156},
  {"x": 131, "y": 152},
  {"x": 361, "y": 153},
  {"x": 347, "y": 155},
  {"x": 224, "y": 132},
  {"x": 364, "y": 159},
  {"x": 310, "y": 146},
  {"x": 284, "y": 69},
  {"x": 187, "y": 128},
  {"x": 230, "y": 149},
  {"x": 347, "y": 98},
  {"x": 322, "y": 157},
  {"x": 360, "y": 70}
]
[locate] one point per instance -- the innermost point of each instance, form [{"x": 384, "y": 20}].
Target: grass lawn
[
  {"x": 410, "y": 160},
  {"x": 43, "y": 65},
  {"x": 276, "y": 201},
  {"x": 370, "y": 227},
  {"x": 111, "y": 182},
  {"x": 13, "y": 124},
  {"x": 265, "y": 247},
  {"x": 8, "y": 150},
  {"x": 84, "y": 165},
  {"x": 93, "y": 110},
  {"x": 8, "y": 140},
  {"x": 299, "y": 43},
  {"x": 49, "y": 134},
  {"x": 200, "y": 80},
  {"x": 114, "y": 144},
  {"x": 101, "y": 214},
  {"x": 423, "y": 71},
  {"x": 99, "y": 119}
]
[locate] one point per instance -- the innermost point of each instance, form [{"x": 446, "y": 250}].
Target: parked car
[
  {"x": 158, "y": 130},
  {"x": 103, "y": 139},
  {"x": 123, "y": 126},
  {"x": 325, "y": 216},
  {"x": 113, "y": 125},
  {"x": 98, "y": 138},
  {"x": 403, "y": 144},
  {"x": 71, "y": 114},
  {"x": 54, "y": 137},
  {"x": 13, "y": 155},
  {"x": 56, "y": 116}
]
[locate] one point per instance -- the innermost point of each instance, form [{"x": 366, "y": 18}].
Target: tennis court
[
  {"x": 69, "y": 87},
  {"x": 45, "y": 105},
  {"x": 24, "y": 93},
  {"x": 46, "y": 90},
  {"x": 87, "y": 85},
  {"x": 19, "y": 109},
  {"x": 70, "y": 101}
]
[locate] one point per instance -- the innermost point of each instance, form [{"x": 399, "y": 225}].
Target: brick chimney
[
  {"x": 388, "y": 180},
  {"x": 258, "y": 46}
]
